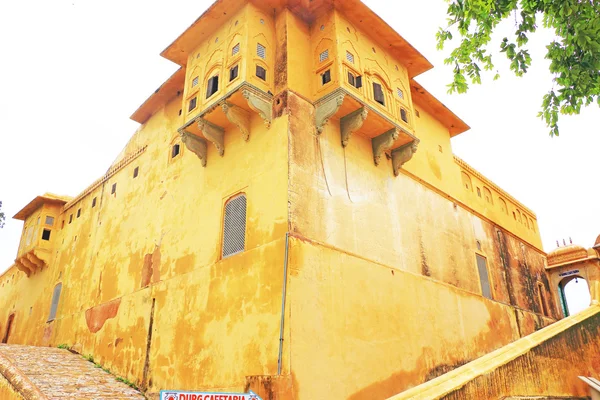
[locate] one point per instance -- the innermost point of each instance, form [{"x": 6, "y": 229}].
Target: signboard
[
  {"x": 569, "y": 273},
  {"x": 180, "y": 395}
]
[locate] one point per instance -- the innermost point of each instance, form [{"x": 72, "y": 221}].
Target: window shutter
[
  {"x": 233, "y": 73},
  {"x": 326, "y": 77},
  {"x": 358, "y": 82},
  {"x": 234, "y": 226},
  {"x": 213, "y": 86},
  {"x": 55, "y": 299},
  {"x": 483, "y": 276},
  {"x": 351, "y": 79},
  {"x": 404, "y": 115},
  {"x": 192, "y": 104},
  {"x": 261, "y": 72},
  {"x": 378, "y": 93}
]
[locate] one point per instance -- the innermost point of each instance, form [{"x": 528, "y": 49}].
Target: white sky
[{"x": 72, "y": 72}]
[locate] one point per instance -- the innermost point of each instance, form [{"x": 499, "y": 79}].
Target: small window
[
  {"x": 542, "y": 299},
  {"x": 400, "y": 93},
  {"x": 261, "y": 51},
  {"x": 478, "y": 192},
  {"x": 234, "y": 226},
  {"x": 484, "y": 279},
  {"x": 180, "y": 111},
  {"x": 63, "y": 224},
  {"x": 261, "y": 72},
  {"x": 79, "y": 213},
  {"x": 235, "y": 50},
  {"x": 350, "y": 57},
  {"x": 70, "y": 218},
  {"x": 233, "y": 73},
  {"x": 49, "y": 220},
  {"x": 193, "y": 103},
  {"x": 378, "y": 94},
  {"x": 355, "y": 81},
  {"x": 175, "y": 151},
  {"x": 93, "y": 202},
  {"x": 136, "y": 172},
  {"x": 514, "y": 215},
  {"x": 326, "y": 77},
  {"x": 417, "y": 114},
  {"x": 195, "y": 82},
  {"x": 478, "y": 245},
  {"x": 55, "y": 299},
  {"x": 46, "y": 234},
  {"x": 212, "y": 86},
  {"x": 404, "y": 115},
  {"x": 324, "y": 55},
  {"x": 114, "y": 189}
]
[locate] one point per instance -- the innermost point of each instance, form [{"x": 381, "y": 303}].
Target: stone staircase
[{"x": 41, "y": 373}]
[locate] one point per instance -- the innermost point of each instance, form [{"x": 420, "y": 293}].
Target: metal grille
[
  {"x": 234, "y": 226},
  {"x": 55, "y": 299},
  {"x": 195, "y": 82},
  {"x": 483, "y": 276},
  {"x": 236, "y": 49},
  {"x": 261, "y": 51},
  {"x": 350, "y": 57},
  {"x": 324, "y": 56},
  {"x": 400, "y": 93}
]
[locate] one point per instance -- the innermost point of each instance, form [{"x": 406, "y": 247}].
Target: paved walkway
[{"x": 60, "y": 374}]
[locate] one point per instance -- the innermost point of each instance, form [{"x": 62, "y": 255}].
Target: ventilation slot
[
  {"x": 234, "y": 226},
  {"x": 324, "y": 56},
  {"x": 261, "y": 51},
  {"x": 235, "y": 50},
  {"x": 195, "y": 82},
  {"x": 350, "y": 57},
  {"x": 400, "y": 93}
]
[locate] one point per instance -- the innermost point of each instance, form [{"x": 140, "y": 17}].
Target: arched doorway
[{"x": 574, "y": 295}]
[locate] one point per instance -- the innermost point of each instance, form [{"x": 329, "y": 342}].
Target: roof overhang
[
  {"x": 354, "y": 10},
  {"x": 38, "y": 202},
  {"x": 168, "y": 90},
  {"x": 435, "y": 107}
]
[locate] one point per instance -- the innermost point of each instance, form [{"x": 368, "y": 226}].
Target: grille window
[
  {"x": 400, "y": 93},
  {"x": 235, "y": 50},
  {"x": 378, "y": 94},
  {"x": 55, "y": 299},
  {"x": 326, "y": 77},
  {"x": 404, "y": 115},
  {"x": 261, "y": 72},
  {"x": 350, "y": 57},
  {"x": 233, "y": 73},
  {"x": 195, "y": 82},
  {"x": 483, "y": 276},
  {"x": 234, "y": 226},
  {"x": 49, "y": 220},
  {"x": 261, "y": 51},
  {"x": 193, "y": 103},
  {"x": 324, "y": 56},
  {"x": 213, "y": 86}
]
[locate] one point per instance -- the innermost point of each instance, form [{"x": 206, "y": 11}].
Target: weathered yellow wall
[{"x": 7, "y": 392}]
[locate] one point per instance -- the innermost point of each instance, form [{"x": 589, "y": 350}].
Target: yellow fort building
[{"x": 290, "y": 218}]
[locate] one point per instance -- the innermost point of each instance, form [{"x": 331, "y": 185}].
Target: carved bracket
[
  {"x": 215, "y": 134},
  {"x": 402, "y": 155},
  {"x": 263, "y": 107},
  {"x": 326, "y": 110},
  {"x": 383, "y": 143},
  {"x": 196, "y": 145},
  {"x": 351, "y": 123},
  {"x": 239, "y": 117}
]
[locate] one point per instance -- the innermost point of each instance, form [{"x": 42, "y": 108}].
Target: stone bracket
[
  {"x": 215, "y": 134},
  {"x": 261, "y": 106},
  {"x": 382, "y": 143},
  {"x": 196, "y": 145},
  {"x": 402, "y": 155},
  {"x": 239, "y": 117},
  {"x": 326, "y": 110},
  {"x": 351, "y": 123}
]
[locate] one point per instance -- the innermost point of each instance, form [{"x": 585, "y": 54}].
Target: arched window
[
  {"x": 466, "y": 181},
  {"x": 503, "y": 207},
  {"x": 487, "y": 194},
  {"x": 234, "y": 226},
  {"x": 55, "y": 300}
]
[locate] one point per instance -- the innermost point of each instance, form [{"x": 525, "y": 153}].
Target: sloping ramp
[
  {"x": 40, "y": 373},
  {"x": 546, "y": 364}
]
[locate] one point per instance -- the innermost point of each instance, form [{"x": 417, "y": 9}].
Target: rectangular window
[
  {"x": 175, "y": 151},
  {"x": 93, "y": 202},
  {"x": 63, "y": 224},
  {"x": 195, "y": 82},
  {"x": 70, "y": 218},
  {"x": 49, "y": 220},
  {"x": 136, "y": 172},
  {"x": 235, "y": 50},
  {"x": 483, "y": 276},
  {"x": 55, "y": 299},
  {"x": 261, "y": 51},
  {"x": 400, "y": 93},
  {"x": 261, "y": 72},
  {"x": 378, "y": 94},
  {"x": 233, "y": 72},
  {"x": 114, "y": 189},
  {"x": 324, "y": 55},
  {"x": 326, "y": 77},
  {"x": 46, "y": 234},
  {"x": 350, "y": 57},
  {"x": 234, "y": 226},
  {"x": 404, "y": 115},
  {"x": 79, "y": 213},
  {"x": 478, "y": 192},
  {"x": 193, "y": 103},
  {"x": 355, "y": 81},
  {"x": 213, "y": 86}
]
